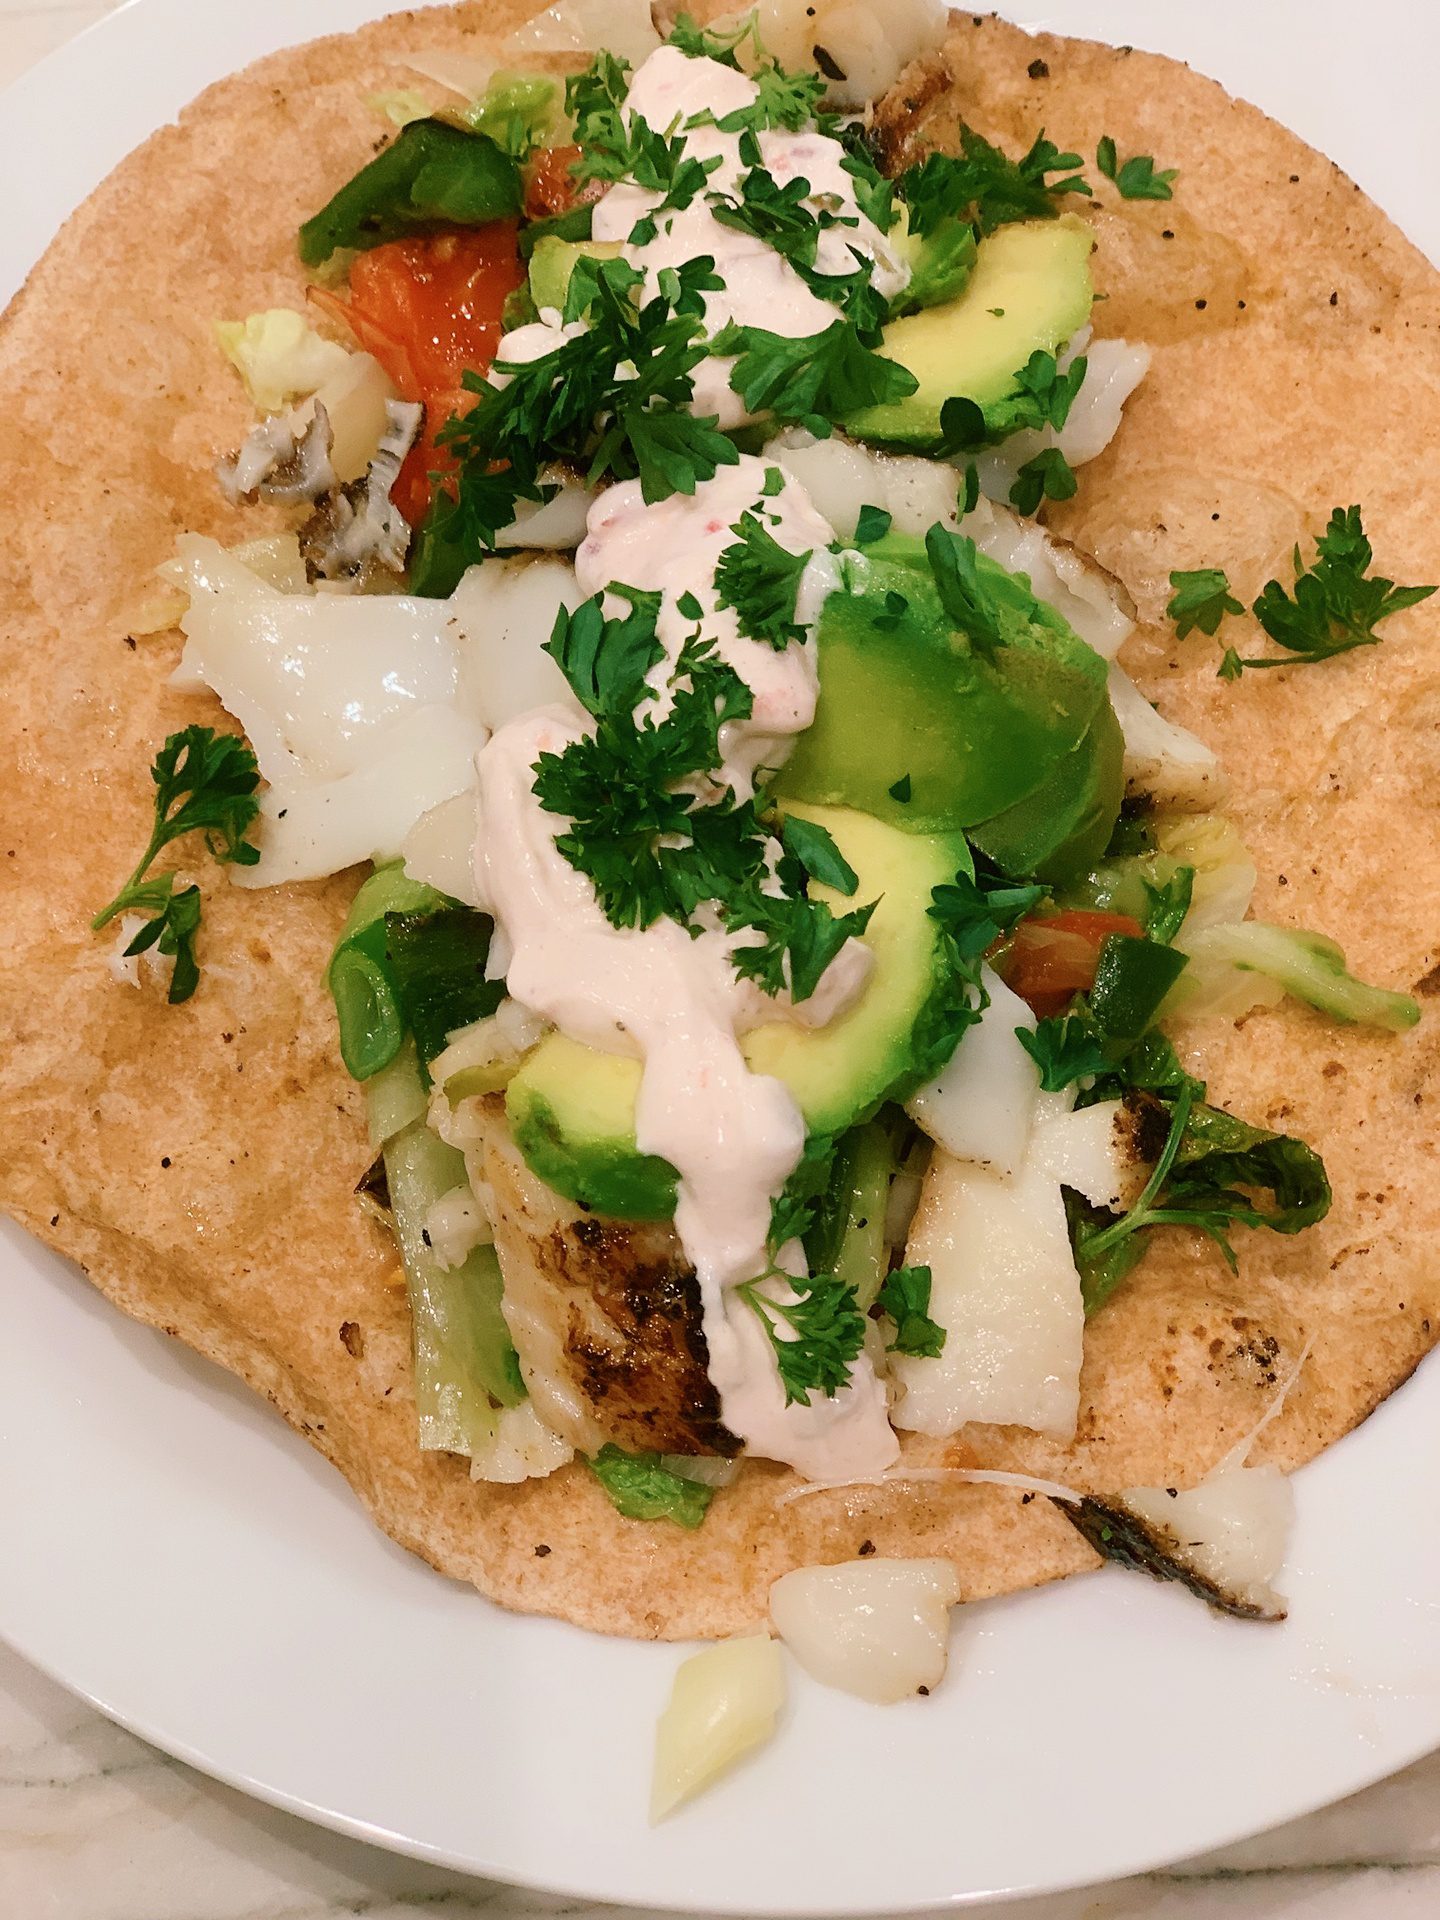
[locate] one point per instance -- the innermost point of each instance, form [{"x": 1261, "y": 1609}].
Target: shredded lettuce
[
  {"x": 1227, "y": 962},
  {"x": 279, "y": 356},
  {"x": 400, "y": 106},
  {"x": 642, "y": 1489}
]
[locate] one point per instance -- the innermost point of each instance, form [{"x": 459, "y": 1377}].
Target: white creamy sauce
[{"x": 761, "y": 288}]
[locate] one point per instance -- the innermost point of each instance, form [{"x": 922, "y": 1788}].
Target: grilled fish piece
[{"x": 605, "y": 1316}]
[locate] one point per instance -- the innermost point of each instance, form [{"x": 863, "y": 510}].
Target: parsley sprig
[
  {"x": 1333, "y": 606},
  {"x": 814, "y": 381},
  {"x": 204, "y": 783},
  {"x": 816, "y": 1334},
  {"x": 1065, "y": 1048},
  {"x": 986, "y": 188},
  {"x": 905, "y": 1296},
  {"x": 1136, "y": 178},
  {"x": 760, "y": 580}
]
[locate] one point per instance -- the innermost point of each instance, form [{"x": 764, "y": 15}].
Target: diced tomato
[
  {"x": 1049, "y": 961},
  {"x": 430, "y": 308},
  {"x": 552, "y": 188}
]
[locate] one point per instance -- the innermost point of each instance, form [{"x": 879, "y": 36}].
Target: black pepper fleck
[
  {"x": 867, "y": 1547},
  {"x": 1200, "y": 305},
  {"x": 165, "y": 1160},
  {"x": 541, "y": 1552},
  {"x": 1038, "y": 70}
]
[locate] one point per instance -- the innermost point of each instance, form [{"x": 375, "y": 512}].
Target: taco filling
[{"x": 780, "y": 937}]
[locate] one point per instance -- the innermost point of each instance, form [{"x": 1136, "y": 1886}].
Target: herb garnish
[
  {"x": 812, "y": 381},
  {"x": 985, "y": 187},
  {"x": 1334, "y": 606},
  {"x": 1065, "y": 1048},
  {"x": 1136, "y": 178},
  {"x": 1201, "y": 598},
  {"x": 1047, "y": 475},
  {"x": 955, "y": 568},
  {"x": 826, "y": 1332},
  {"x": 760, "y": 580},
  {"x": 905, "y": 1296},
  {"x": 204, "y": 783}
]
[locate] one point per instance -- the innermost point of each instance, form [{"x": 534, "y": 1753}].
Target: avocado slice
[
  {"x": 553, "y": 261},
  {"x": 572, "y": 1110},
  {"x": 1030, "y": 290},
  {"x": 916, "y": 726},
  {"x": 1062, "y": 829}
]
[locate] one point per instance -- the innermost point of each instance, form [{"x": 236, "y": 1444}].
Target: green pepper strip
[
  {"x": 1131, "y": 980},
  {"x": 371, "y": 1024}
]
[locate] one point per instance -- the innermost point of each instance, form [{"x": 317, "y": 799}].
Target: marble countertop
[{"x": 96, "y": 1825}]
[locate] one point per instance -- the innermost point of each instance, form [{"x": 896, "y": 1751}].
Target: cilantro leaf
[
  {"x": 1336, "y": 603},
  {"x": 606, "y": 661},
  {"x": 204, "y": 783},
  {"x": 986, "y": 188},
  {"x": 814, "y": 381},
  {"x": 1202, "y": 599},
  {"x": 816, "y": 1334},
  {"x": 1047, "y": 475},
  {"x": 813, "y": 846},
  {"x": 1065, "y": 1049},
  {"x": 963, "y": 593},
  {"x": 760, "y": 580},
  {"x": 1137, "y": 178},
  {"x": 905, "y": 1296},
  {"x": 642, "y": 1489}
]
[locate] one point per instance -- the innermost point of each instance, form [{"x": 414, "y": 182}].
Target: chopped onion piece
[
  {"x": 1232, "y": 1530},
  {"x": 1162, "y": 761},
  {"x": 439, "y": 849},
  {"x": 521, "y": 1448},
  {"x": 623, "y": 27},
  {"x": 553, "y": 525},
  {"x": 275, "y": 560},
  {"x": 491, "y": 1048},
  {"x": 876, "y": 1628},
  {"x": 980, "y": 1107},
  {"x": 706, "y": 1469},
  {"x": 724, "y": 1704},
  {"x": 467, "y": 74},
  {"x": 356, "y": 399}
]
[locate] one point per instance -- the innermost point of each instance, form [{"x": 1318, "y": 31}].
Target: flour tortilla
[{"x": 198, "y": 1161}]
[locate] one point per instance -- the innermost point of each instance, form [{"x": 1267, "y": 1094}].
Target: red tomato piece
[
  {"x": 1049, "y": 961},
  {"x": 430, "y": 308},
  {"x": 551, "y": 187},
  {"x": 413, "y": 487}
]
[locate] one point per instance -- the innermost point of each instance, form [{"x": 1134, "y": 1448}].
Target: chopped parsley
[
  {"x": 872, "y": 524},
  {"x": 1047, "y": 475},
  {"x": 204, "y": 783},
  {"x": 901, "y": 790},
  {"x": 817, "y": 1334},
  {"x": 972, "y": 918},
  {"x": 1166, "y": 905},
  {"x": 1201, "y": 598},
  {"x": 815, "y": 849},
  {"x": 905, "y": 1296},
  {"x": 1136, "y": 178},
  {"x": 1065, "y": 1049},
  {"x": 814, "y": 381},
  {"x": 1042, "y": 397},
  {"x": 955, "y": 568},
  {"x": 986, "y": 188},
  {"x": 1335, "y": 604},
  {"x": 760, "y": 580}
]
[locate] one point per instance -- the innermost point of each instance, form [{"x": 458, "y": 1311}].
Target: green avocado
[
  {"x": 572, "y": 1110},
  {"x": 553, "y": 261},
  {"x": 1060, "y": 831},
  {"x": 1029, "y": 291},
  {"x": 918, "y": 727}
]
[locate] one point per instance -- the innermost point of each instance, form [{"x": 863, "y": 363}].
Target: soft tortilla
[{"x": 198, "y": 1161}]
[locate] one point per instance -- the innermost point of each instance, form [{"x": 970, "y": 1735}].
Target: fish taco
[{"x": 790, "y": 809}]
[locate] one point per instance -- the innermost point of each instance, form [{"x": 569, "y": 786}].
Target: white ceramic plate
[{"x": 172, "y": 1552}]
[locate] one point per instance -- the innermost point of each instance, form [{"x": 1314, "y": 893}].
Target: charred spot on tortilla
[{"x": 1126, "y": 1540}]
